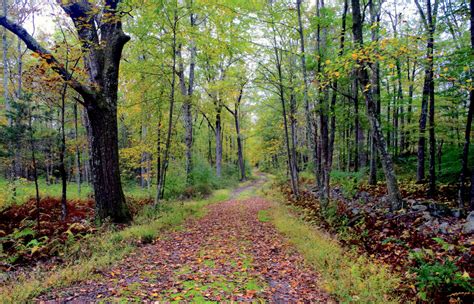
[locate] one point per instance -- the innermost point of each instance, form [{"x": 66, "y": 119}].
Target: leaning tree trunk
[{"x": 363, "y": 78}]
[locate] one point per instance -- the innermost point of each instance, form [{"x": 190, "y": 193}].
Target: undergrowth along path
[{"x": 233, "y": 253}]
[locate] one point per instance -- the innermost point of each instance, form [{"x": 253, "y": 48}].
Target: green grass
[
  {"x": 95, "y": 252},
  {"x": 26, "y": 189},
  {"x": 347, "y": 276},
  {"x": 263, "y": 216}
]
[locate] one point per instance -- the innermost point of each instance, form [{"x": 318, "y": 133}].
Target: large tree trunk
[
  {"x": 363, "y": 77},
  {"x": 102, "y": 44},
  {"x": 110, "y": 200}
]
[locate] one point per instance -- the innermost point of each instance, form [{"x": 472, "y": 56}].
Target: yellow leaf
[
  {"x": 328, "y": 61},
  {"x": 354, "y": 56},
  {"x": 465, "y": 275}
]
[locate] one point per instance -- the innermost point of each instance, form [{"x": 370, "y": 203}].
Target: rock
[
  {"x": 456, "y": 213},
  {"x": 426, "y": 216},
  {"x": 468, "y": 227},
  {"x": 443, "y": 228},
  {"x": 364, "y": 196},
  {"x": 419, "y": 207}
]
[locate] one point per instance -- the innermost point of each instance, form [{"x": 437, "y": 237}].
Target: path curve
[{"x": 233, "y": 253}]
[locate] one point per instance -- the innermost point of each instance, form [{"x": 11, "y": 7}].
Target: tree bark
[
  {"x": 427, "y": 98},
  {"x": 164, "y": 167},
  {"x": 187, "y": 94},
  {"x": 62, "y": 152},
  {"x": 309, "y": 131},
  {"x": 335, "y": 86},
  {"x": 102, "y": 54},
  {"x": 218, "y": 133},
  {"x": 235, "y": 113},
  {"x": 78, "y": 153},
  {"x": 363, "y": 77},
  {"x": 375, "y": 89},
  {"x": 467, "y": 133}
]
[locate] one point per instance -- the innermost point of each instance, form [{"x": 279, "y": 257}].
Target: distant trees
[{"x": 208, "y": 88}]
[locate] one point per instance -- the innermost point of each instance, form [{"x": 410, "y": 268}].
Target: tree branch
[{"x": 33, "y": 45}]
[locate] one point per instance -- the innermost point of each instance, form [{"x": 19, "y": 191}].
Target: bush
[
  {"x": 432, "y": 279},
  {"x": 348, "y": 181}
]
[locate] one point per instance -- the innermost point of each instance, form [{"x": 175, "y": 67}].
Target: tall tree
[
  {"x": 467, "y": 132},
  {"x": 364, "y": 80},
  {"x": 102, "y": 44},
  {"x": 429, "y": 22}
]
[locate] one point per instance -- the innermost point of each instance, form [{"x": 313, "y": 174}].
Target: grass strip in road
[{"x": 98, "y": 251}]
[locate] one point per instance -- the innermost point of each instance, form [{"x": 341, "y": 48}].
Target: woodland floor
[{"x": 233, "y": 253}]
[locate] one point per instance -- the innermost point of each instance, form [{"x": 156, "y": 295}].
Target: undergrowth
[
  {"x": 98, "y": 251},
  {"x": 347, "y": 276}
]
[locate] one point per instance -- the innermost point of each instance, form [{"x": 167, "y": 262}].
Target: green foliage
[
  {"x": 263, "y": 216},
  {"x": 436, "y": 276},
  {"x": 348, "y": 181},
  {"x": 349, "y": 277}
]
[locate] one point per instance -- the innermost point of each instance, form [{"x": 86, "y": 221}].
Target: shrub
[
  {"x": 348, "y": 181},
  {"x": 434, "y": 278}
]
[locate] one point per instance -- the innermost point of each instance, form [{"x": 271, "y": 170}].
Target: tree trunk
[
  {"x": 164, "y": 167},
  {"x": 102, "y": 44},
  {"x": 218, "y": 133},
  {"x": 62, "y": 152},
  {"x": 427, "y": 98},
  {"x": 35, "y": 171},
  {"x": 467, "y": 132},
  {"x": 110, "y": 200},
  {"x": 375, "y": 82},
  {"x": 309, "y": 131},
  {"x": 78, "y": 153},
  {"x": 363, "y": 77},
  {"x": 335, "y": 87},
  {"x": 187, "y": 103},
  {"x": 5, "y": 64}
]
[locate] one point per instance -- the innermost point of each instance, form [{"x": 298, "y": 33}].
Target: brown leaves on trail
[{"x": 228, "y": 255}]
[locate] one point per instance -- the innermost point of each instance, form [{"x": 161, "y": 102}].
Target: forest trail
[{"x": 233, "y": 253}]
